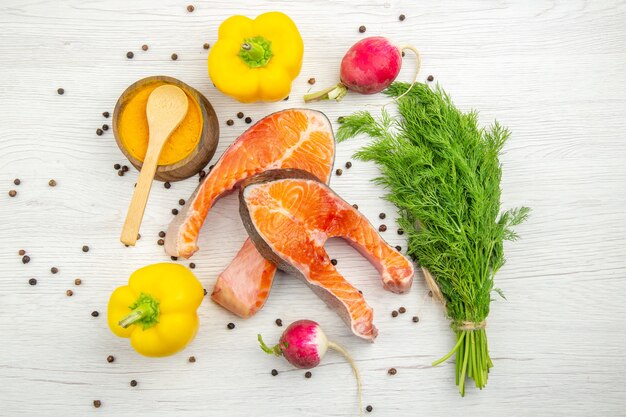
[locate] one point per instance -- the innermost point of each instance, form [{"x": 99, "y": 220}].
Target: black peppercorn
[
  {"x": 274, "y": 372},
  {"x": 348, "y": 165},
  {"x": 248, "y": 120},
  {"x": 97, "y": 403},
  {"x": 400, "y": 231},
  {"x": 340, "y": 119},
  {"x": 308, "y": 374},
  {"x": 240, "y": 115},
  {"x": 25, "y": 259},
  {"x": 311, "y": 81},
  {"x": 401, "y": 17},
  {"x": 206, "y": 46},
  {"x": 120, "y": 173},
  {"x": 85, "y": 248},
  {"x": 144, "y": 47},
  {"x": 12, "y": 193},
  {"x": 129, "y": 55},
  {"x": 117, "y": 166},
  {"x": 279, "y": 322},
  {"x": 356, "y": 206},
  {"x": 392, "y": 371},
  {"x": 362, "y": 29},
  {"x": 174, "y": 258},
  {"x": 339, "y": 171},
  {"x": 78, "y": 281},
  {"x": 161, "y": 233},
  {"x": 60, "y": 91},
  {"x": 231, "y": 326},
  {"x": 21, "y": 252},
  {"x": 167, "y": 185},
  {"x": 174, "y": 212},
  {"x": 192, "y": 265},
  {"x": 382, "y": 228},
  {"x": 160, "y": 242},
  {"x": 110, "y": 358},
  {"x": 181, "y": 202},
  {"x": 32, "y": 281},
  {"x": 369, "y": 408},
  {"x": 402, "y": 310},
  {"x": 430, "y": 78},
  {"x": 106, "y": 114},
  {"x": 174, "y": 57},
  {"x": 54, "y": 269},
  {"x": 382, "y": 215},
  {"x": 399, "y": 248},
  {"x": 333, "y": 261},
  {"x": 17, "y": 181},
  {"x": 125, "y": 168},
  {"x": 69, "y": 293},
  {"x": 190, "y": 8},
  {"x": 52, "y": 183},
  {"x": 94, "y": 313},
  {"x": 105, "y": 127},
  {"x": 205, "y": 291},
  {"x": 99, "y": 132},
  {"x": 415, "y": 319},
  {"x": 394, "y": 313},
  {"x": 192, "y": 359},
  {"x": 133, "y": 383},
  {"x": 230, "y": 122}
]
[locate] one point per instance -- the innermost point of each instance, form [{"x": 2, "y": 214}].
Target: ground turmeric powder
[{"x": 133, "y": 129}]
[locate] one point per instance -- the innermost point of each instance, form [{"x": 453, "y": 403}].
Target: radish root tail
[
  {"x": 417, "y": 68},
  {"x": 355, "y": 369}
]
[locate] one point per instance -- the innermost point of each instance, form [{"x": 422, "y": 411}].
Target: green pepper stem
[
  {"x": 256, "y": 51},
  {"x": 274, "y": 350},
  {"x": 145, "y": 311}
]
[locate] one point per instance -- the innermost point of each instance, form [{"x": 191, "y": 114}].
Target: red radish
[
  {"x": 369, "y": 67},
  {"x": 304, "y": 344}
]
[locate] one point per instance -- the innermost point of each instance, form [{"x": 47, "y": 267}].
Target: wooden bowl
[{"x": 209, "y": 136}]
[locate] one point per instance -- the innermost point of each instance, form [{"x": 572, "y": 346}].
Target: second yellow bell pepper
[
  {"x": 157, "y": 309},
  {"x": 256, "y": 60}
]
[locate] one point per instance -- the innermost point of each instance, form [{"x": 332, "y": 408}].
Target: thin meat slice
[
  {"x": 245, "y": 284},
  {"x": 294, "y": 138},
  {"x": 289, "y": 215}
]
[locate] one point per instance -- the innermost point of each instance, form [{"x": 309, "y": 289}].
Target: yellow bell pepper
[
  {"x": 256, "y": 60},
  {"x": 157, "y": 309}
]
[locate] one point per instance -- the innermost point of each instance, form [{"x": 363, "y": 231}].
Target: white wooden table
[{"x": 553, "y": 71}]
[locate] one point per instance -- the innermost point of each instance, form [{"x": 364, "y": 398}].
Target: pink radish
[
  {"x": 304, "y": 344},
  {"x": 369, "y": 67}
]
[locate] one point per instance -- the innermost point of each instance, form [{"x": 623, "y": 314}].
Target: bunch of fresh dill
[{"x": 443, "y": 174}]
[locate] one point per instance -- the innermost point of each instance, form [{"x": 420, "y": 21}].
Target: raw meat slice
[
  {"x": 291, "y": 138},
  {"x": 289, "y": 215}
]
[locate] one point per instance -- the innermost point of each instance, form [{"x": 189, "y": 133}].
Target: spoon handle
[{"x": 140, "y": 199}]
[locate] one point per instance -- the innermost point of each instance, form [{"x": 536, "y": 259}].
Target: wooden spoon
[{"x": 166, "y": 108}]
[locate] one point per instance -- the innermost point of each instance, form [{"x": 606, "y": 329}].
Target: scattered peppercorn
[
  {"x": 339, "y": 171},
  {"x": 97, "y": 403},
  {"x": 78, "y": 281},
  {"x": 274, "y": 372},
  {"x": 392, "y": 371},
  {"x": 206, "y": 46},
  {"x": 240, "y": 115},
  {"x": 69, "y": 293},
  {"x": 125, "y": 168},
  {"x": 105, "y": 127},
  {"x": 110, "y": 359},
  {"x": 348, "y": 165},
  {"x": 362, "y": 29},
  {"x": 399, "y": 248},
  {"x": 25, "y": 259},
  {"x": 167, "y": 185},
  {"x": 369, "y": 408},
  {"x": 205, "y": 291},
  {"x": 117, "y": 166},
  {"x": 161, "y": 233},
  {"x": 311, "y": 81},
  {"x": 333, "y": 261},
  {"x": 12, "y": 193},
  {"x": 174, "y": 57},
  {"x": 129, "y": 55},
  {"x": 192, "y": 359},
  {"x": 279, "y": 322},
  {"x": 415, "y": 319},
  {"x": 174, "y": 258},
  {"x": 430, "y": 294},
  {"x": 54, "y": 269},
  {"x": 231, "y": 326},
  {"x": 32, "y": 281},
  {"x": 17, "y": 181},
  {"x": 202, "y": 174},
  {"x": 286, "y": 98},
  {"x": 94, "y": 313},
  {"x": 106, "y": 114},
  {"x": 382, "y": 215},
  {"x": 52, "y": 183},
  {"x": 401, "y": 17},
  {"x": 160, "y": 242},
  {"x": 133, "y": 383},
  {"x": 174, "y": 212},
  {"x": 181, "y": 202},
  {"x": 403, "y": 54},
  {"x": 60, "y": 91},
  {"x": 192, "y": 265},
  {"x": 400, "y": 231},
  {"x": 382, "y": 228},
  {"x": 138, "y": 236},
  {"x": 230, "y": 122},
  {"x": 308, "y": 374},
  {"x": 99, "y": 132},
  {"x": 190, "y": 8},
  {"x": 356, "y": 206},
  {"x": 144, "y": 47},
  {"x": 402, "y": 310},
  {"x": 430, "y": 78},
  {"x": 340, "y": 119},
  {"x": 85, "y": 248},
  {"x": 21, "y": 252},
  {"x": 394, "y": 313},
  {"x": 248, "y": 120},
  {"x": 120, "y": 173}
]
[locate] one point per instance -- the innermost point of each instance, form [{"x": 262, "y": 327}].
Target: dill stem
[
  {"x": 464, "y": 368},
  {"x": 454, "y": 349}
]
